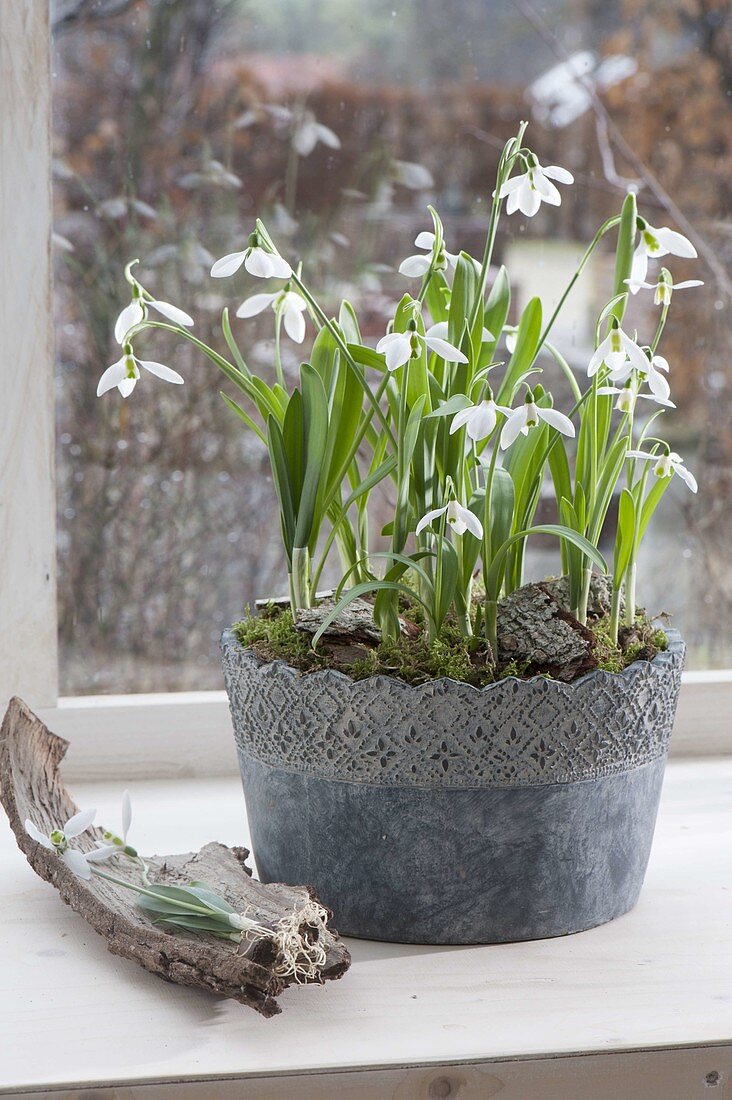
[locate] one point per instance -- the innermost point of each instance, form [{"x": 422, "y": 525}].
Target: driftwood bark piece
[
  {"x": 536, "y": 632},
  {"x": 30, "y": 787}
]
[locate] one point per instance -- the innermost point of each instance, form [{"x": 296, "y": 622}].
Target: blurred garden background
[{"x": 176, "y": 122}]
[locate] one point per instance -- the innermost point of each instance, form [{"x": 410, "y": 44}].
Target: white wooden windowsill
[{"x": 405, "y": 1021}]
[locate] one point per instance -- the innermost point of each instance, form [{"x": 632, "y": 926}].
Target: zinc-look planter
[{"x": 448, "y": 814}]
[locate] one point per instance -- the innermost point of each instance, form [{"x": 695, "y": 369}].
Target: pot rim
[{"x": 659, "y": 663}]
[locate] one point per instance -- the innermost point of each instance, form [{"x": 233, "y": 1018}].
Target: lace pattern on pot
[{"x": 444, "y": 733}]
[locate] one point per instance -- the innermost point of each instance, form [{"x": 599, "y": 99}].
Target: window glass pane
[{"x": 176, "y": 122}]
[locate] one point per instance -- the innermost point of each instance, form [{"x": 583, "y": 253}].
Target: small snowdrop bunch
[
  {"x": 465, "y": 461},
  {"x": 298, "y": 938}
]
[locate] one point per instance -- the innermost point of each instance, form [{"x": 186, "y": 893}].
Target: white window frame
[{"x": 122, "y": 736}]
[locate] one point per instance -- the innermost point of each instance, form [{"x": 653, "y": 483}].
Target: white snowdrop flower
[
  {"x": 667, "y": 464},
  {"x": 287, "y": 303},
  {"x": 442, "y": 328},
  {"x": 478, "y": 420},
  {"x": 656, "y": 381},
  {"x": 136, "y": 312},
  {"x": 125, "y": 373},
  {"x": 130, "y": 316},
  {"x": 527, "y": 191},
  {"x": 511, "y": 338},
  {"x": 460, "y": 519},
  {"x": 628, "y": 395},
  {"x": 414, "y": 267},
  {"x": 414, "y": 176},
  {"x": 615, "y": 350},
  {"x": 115, "y": 840},
  {"x": 399, "y": 347},
  {"x": 652, "y": 244},
  {"x": 650, "y": 373},
  {"x": 663, "y": 289},
  {"x": 528, "y": 416},
  {"x": 308, "y": 132},
  {"x": 257, "y": 261},
  {"x": 58, "y": 841}
]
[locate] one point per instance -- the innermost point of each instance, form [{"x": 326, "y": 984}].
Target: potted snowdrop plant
[{"x": 448, "y": 753}]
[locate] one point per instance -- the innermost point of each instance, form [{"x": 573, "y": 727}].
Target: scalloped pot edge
[{"x": 445, "y": 733}]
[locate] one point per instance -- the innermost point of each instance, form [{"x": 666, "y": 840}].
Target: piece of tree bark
[
  {"x": 600, "y": 598},
  {"x": 354, "y": 624},
  {"x": 30, "y": 787},
  {"x": 536, "y": 632}
]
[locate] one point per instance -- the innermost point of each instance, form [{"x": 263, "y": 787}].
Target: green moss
[
  {"x": 610, "y": 656},
  {"x": 272, "y": 636}
]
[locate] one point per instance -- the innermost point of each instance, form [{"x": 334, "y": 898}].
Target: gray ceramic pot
[{"x": 447, "y": 814}]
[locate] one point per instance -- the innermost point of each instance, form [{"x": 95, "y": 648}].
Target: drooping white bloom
[
  {"x": 511, "y": 338},
  {"x": 125, "y": 373},
  {"x": 527, "y": 416},
  {"x": 58, "y": 841},
  {"x": 650, "y": 372},
  {"x": 136, "y": 311},
  {"x": 657, "y": 382},
  {"x": 615, "y": 350},
  {"x": 478, "y": 420},
  {"x": 414, "y": 267},
  {"x": 652, "y": 244},
  {"x": 257, "y": 261},
  {"x": 414, "y": 176},
  {"x": 527, "y": 191},
  {"x": 308, "y": 132},
  {"x": 130, "y": 316},
  {"x": 442, "y": 328},
  {"x": 461, "y": 519},
  {"x": 288, "y": 303},
  {"x": 663, "y": 289},
  {"x": 399, "y": 347},
  {"x": 628, "y": 395},
  {"x": 667, "y": 464},
  {"x": 114, "y": 839}
]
